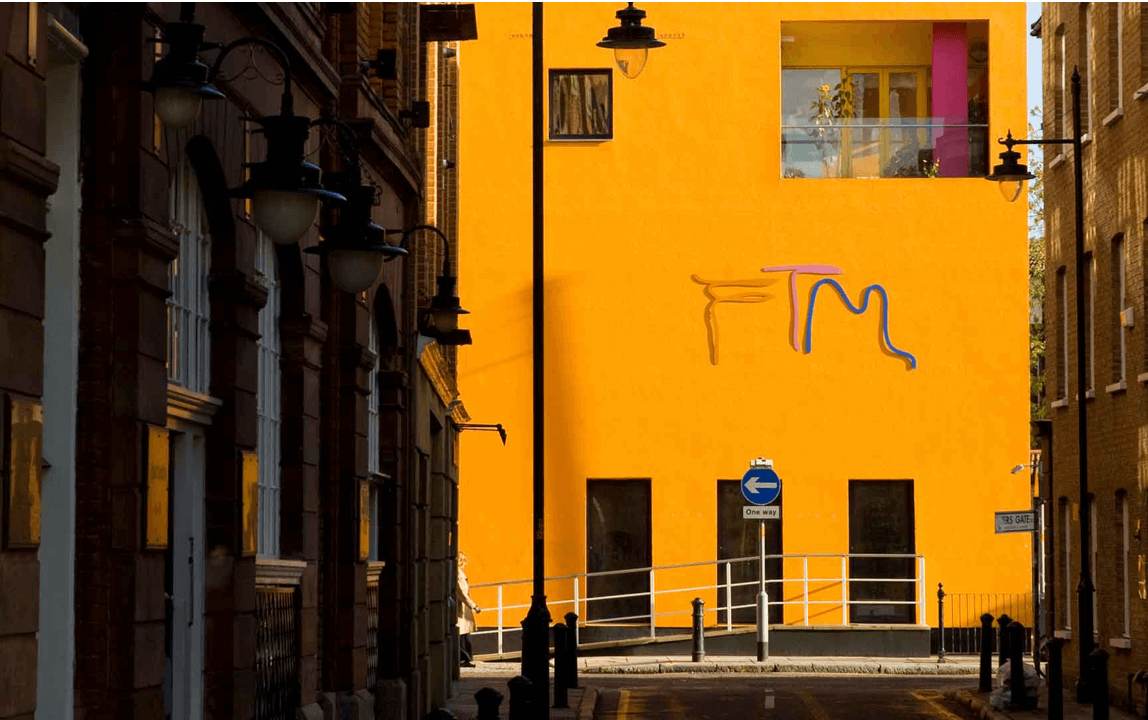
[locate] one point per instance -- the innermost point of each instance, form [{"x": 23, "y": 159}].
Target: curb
[
  {"x": 805, "y": 668},
  {"x": 588, "y": 705},
  {"x": 975, "y": 704}
]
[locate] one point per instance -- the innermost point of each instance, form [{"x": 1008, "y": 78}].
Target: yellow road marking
[
  {"x": 814, "y": 707},
  {"x": 939, "y": 711},
  {"x": 623, "y": 704}
]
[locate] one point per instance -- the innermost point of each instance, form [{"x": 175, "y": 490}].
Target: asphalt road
[{"x": 741, "y": 697}]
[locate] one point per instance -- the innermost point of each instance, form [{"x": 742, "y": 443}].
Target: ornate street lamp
[
  {"x": 355, "y": 246},
  {"x": 439, "y": 321},
  {"x": 631, "y": 41},
  {"x": 1012, "y": 174},
  {"x": 179, "y": 81},
  {"x": 284, "y": 189}
]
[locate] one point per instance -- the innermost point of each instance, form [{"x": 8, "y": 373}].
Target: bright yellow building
[{"x": 720, "y": 190}]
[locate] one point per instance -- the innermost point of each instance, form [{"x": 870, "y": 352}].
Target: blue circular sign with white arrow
[{"x": 760, "y": 485}]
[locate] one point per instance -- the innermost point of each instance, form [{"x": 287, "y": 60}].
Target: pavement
[
  {"x": 978, "y": 703},
  {"x": 662, "y": 664}
]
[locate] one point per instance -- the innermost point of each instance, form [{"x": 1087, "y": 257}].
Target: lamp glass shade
[
  {"x": 631, "y": 60},
  {"x": 444, "y": 320},
  {"x": 177, "y": 107},
  {"x": 1011, "y": 189},
  {"x": 284, "y": 215},
  {"x": 354, "y": 270}
]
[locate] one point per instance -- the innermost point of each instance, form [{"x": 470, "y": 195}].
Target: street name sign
[
  {"x": 1017, "y": 521},
  {"x": 759, "y": 512},
  {"x": 760, "y": 485}
]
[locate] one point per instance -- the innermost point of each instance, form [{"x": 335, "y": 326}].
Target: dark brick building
[
  {"x": 1108, "y": 42},
  {"x": 229, "y": 488}
]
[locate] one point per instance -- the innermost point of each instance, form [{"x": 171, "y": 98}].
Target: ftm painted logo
[{"x": 750, "y": 291}]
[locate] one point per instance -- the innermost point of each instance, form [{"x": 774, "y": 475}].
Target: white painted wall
[{"x": 56, "y": 661}]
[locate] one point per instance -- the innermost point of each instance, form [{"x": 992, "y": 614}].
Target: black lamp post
[
  {"x": 630, "y": 43},
  {"x": 1011, "y": 174}
]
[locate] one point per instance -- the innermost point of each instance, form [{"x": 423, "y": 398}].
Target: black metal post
[
  {"x": 521, "y": 697},
  {"x": 536, "y": 626},
  {"x": 986, "y": 684},
  {"x": 699, "y": 634},
  {"x": 1085, "y": 588},
  {"x": 1055, "y": 680},
  {"x": 941, "y": 622},
  {"x": 1016, "y": 663},
  {"x": 572, "y": 655},
  {"x": 560, "y": 649},
  {"x": 489, "y": 700},
  {"x": 1003, "y": 645},
  {"x": 1098, "y": 683},
  {"x": 1035, "y": 568}
]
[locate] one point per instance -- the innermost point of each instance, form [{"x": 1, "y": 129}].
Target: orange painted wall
[{"x": 690, "y": 184}]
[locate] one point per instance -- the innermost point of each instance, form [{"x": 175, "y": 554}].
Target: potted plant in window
[{"x": 832, "y": 106}]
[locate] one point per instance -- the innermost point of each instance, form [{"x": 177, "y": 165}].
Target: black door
[
  {"x": 737, "y": 538},
  {"x": 618, "y": 538},
  {"x": 881, "y": 522}
]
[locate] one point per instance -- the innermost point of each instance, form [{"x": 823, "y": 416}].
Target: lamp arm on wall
[
  {"x": 348, "y": 145},
  {"x": 407, "y": 232},
  {"x": 287, "y": 104}
]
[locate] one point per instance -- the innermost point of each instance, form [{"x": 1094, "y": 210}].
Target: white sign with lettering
[{"x": 1018, "y": 521}]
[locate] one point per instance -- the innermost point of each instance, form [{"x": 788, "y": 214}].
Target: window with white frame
[
  {"x": 1066, "y": 514},
  {"x": 1119, "y": 298},
  {"x": 1115, "y": 56},
  {"x": 1062, "y": 333},
  {"x": 1088, "y": 289},
  {"x": 188, "y": 308},
  {"x": 1122, "y": 504},
  {"x": 268, "y": 400},
  {"x": 1095, "y": 574},
  {"x": 373, "y": 446}
]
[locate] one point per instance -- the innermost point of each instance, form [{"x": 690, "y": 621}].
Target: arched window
[
  {"x": 188, "y": 309},
  {"x": 373, "y": 445},
  {"x": 268, "y": 400}
]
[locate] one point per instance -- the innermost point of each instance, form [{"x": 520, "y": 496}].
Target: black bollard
[
  {"x": 560, "y": 637},
  {"x": 699, "y": 636},
  {"x": 521, "y": 689},
  {"x": 1098, "y": 661},
  {"x": 941, "y": 622},
  {"x": 986, "y": 653},
  {"x": 489, "y": 700},
  {"x": 1016, "y": 664},
  {"x": 1002, "y": 623},
  {"x": 1055, "y": 680},
  {"x": 572, "y": 655},
  {"x": 439, "y": 714}
]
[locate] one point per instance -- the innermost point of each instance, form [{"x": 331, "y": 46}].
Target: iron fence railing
[
  {"x": 372, "y": 634},
  {"x": 831, "y": 591},
  {"x": 277, "y": 688},
  {"x": 963, "y": 620}
]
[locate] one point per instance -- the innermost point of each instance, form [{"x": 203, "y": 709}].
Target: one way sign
[{"x": 760, "y": 485}]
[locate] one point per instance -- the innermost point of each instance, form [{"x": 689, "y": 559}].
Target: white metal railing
[{"x": 580, "y": 601}]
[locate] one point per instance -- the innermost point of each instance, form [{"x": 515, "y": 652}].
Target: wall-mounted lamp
[
  {"x": 630, "y": 41},
  {"x": 496, "y": 427},
  {"x": 440, "y": 320},
  {"x": 284, "y": 189},
  {"x": 1011, "y": 173}
]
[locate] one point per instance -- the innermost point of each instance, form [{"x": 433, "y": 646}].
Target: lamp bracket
[
  {"x": 419, "y": 114},
  {"x": 385, "y": 66}
]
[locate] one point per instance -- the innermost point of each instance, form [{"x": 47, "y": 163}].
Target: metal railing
[
  {"x": 277, "y": 688},
  {"x": 963, "y": 619},
  {"x": 372, "y": 633},
  {"x": 829, "y": 589},
  {"x": 874, "y": 147}
]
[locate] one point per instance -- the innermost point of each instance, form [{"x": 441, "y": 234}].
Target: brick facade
[
  {"x": 1115, "y": 207},
  {"x": 126, "y": 244}
]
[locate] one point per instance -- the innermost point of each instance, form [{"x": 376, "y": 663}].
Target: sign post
[{"x": 761, "y": 486}]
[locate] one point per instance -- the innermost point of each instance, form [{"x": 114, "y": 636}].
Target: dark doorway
[
  {"x": 738, "y": 538},
  {"x": 881, "y": 522},
  {"x": 618, "y": 538}
]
